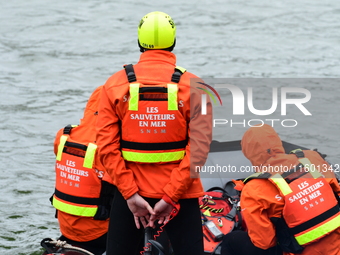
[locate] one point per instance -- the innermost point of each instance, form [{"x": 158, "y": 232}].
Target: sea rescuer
[
  {"x": 292, "y": 212},
  {"x": 83, "y": 190},
  {"x": 149, "y": 132}
]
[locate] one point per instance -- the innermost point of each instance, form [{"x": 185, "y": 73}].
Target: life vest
[
  {"x": 153, "y": 111},
  {"x": 311, "y": 210},
  {"x": 79, "y": 189}
]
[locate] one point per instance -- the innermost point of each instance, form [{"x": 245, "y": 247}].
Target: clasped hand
[{"x": 144, "y": 213}]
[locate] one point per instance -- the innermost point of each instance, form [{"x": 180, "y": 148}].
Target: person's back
[
  {"x": 286, "y": 191},
  {"x": 82, "y": 192},
  {"x": 154, "y": 68},
  {"x": 143, "y": 130}
]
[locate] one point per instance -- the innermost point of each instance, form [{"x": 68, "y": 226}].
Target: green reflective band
[
  {"x": 74, "y": 210},
  {"x": 181, "y": 69},
  {"x": 153, "y": 157},
  {"x": 319, "y": 231},
  {"x": 311, "y": 167},
  {"x": 134, "y": 96},
  {"x": 172, "y": 97},
  {"x": 89, "y": 155},
  {"x": 61, "y": 145},
  {"x": 281, "y": 184}
]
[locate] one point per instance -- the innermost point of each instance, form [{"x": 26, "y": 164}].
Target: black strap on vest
[
  {"x": 298, "y": 152},
  {"x": 295, "y": 173},
  {"x": 67, "y": 130},
  {"x": 103, "y": 202},
  {"x": 153, "y": 89},
  {"x": 130, "y": 73},
  {"x": 77, "y": 200},
  {"x": 261, "y": 176},
  {"x": 176, "y": 76},
  {"x": 131, "y": 76},
  {"x": 153, "y": 146},
  {"x": 76, "y": 145},
  {"x": 293, "y": 170},
  {"x": 315, "y": 221}
]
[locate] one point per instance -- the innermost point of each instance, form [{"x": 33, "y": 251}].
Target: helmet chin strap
[
  {"x": 167, "y": 49},
  {"x": 140, "y": 47}
]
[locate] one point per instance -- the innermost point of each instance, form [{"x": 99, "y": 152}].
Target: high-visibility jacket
[
  {"x": 311, "y": 211},
  {"x": 157, "y": 109},
  {"x": 83, "y": 188},
  {"x": 173, "y": 178},
  {"x": 263, "y": 201}
]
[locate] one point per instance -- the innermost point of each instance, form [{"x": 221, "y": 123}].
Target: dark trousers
[
  {"x": 184, "y": 230},
  {"x": 239, "y": 243}
]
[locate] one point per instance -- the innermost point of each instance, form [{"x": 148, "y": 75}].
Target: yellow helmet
[{"x": 156, "y": 30}]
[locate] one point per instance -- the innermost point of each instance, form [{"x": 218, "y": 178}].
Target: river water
[{"x": 55, "y": 53}]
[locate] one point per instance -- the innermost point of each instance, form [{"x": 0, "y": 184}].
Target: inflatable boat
[{"x": 225, "y": 162}]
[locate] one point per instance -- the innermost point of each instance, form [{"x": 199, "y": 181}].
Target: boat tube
[{"x": 226, "y": 162}]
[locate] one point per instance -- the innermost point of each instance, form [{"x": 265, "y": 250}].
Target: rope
[
  {"x": 148, "y": 245},
  {"x": 65, "y": 245}
]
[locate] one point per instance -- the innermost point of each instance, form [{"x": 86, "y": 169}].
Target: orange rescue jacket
[
  {"x": 264, "y": 200},
  {"x": 80, "y": 192},
  {"x": 155, "y": 69}
]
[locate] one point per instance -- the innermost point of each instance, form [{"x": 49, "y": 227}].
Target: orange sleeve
[
  {"x": 108, "y": 141},
  {"x": 56, "y": 140},
  {"x": 200, "y": 135},
  {"x": 260, "y": 201}
]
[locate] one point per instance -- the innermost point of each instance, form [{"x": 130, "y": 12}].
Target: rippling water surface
[{"x": 55, "y": 53}]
